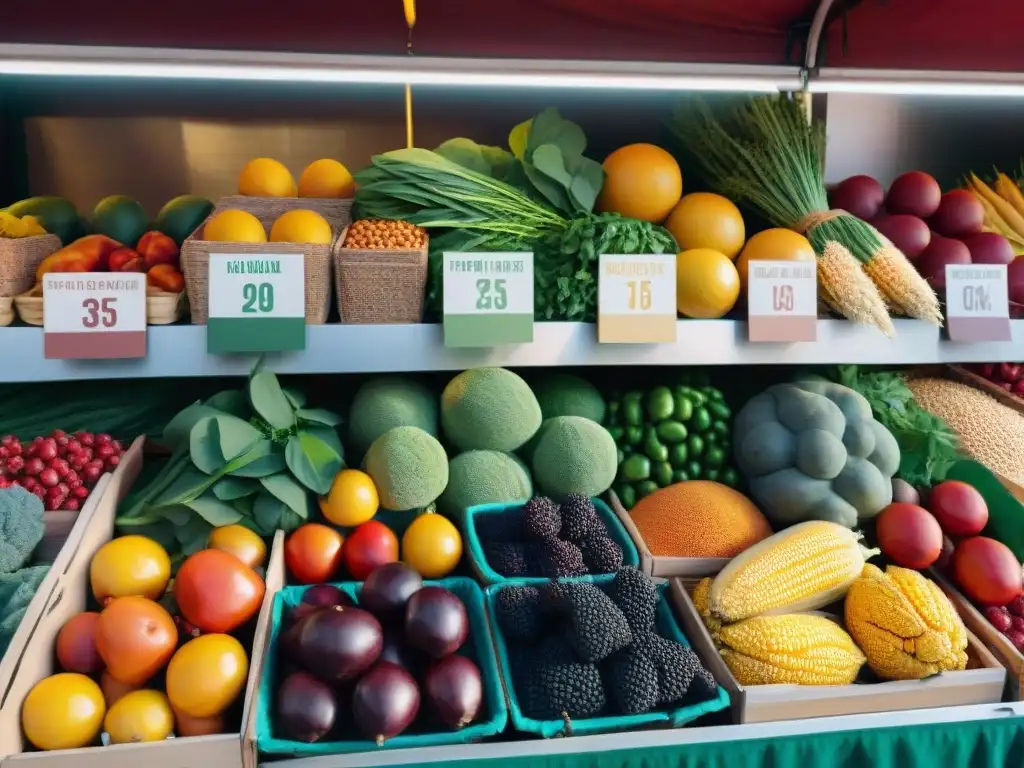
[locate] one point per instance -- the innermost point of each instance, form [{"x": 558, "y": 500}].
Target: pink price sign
[
  {"x": 782, "y": 301},
  {"x": 94, "y": 315}
]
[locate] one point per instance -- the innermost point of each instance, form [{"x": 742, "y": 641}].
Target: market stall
[{"x": 647, "y": 392}]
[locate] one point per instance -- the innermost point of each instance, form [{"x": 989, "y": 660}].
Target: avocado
[
  {"x": 56, "y": 215},
  {"x": 120, "y": 218},
  {"x": 182, "y": 216}
]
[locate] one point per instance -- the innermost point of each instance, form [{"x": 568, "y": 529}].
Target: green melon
[
  {"x": 120, "y": 218},
  {"x": 387, "y": 402},
  {"x": 409, "y": 468},
  {"x": 574, "y": 455},
  {"x": 489, "y": 409},
  {"x": 483, "y": 477},
  {"x": 563, "y": 394},
  {"x": 182, "y": 216}
]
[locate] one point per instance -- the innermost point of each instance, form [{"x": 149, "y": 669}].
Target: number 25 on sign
[
  {"x": 488, "y": 298},
  {"x": 491, "y": 294},
  {"x": 94, "y": 315}
]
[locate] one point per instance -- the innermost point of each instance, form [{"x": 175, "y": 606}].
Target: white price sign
[
  {"x": 88, "y": 315},
  {"x": 782, "y": 301},
  {"x": 636, "y": 298},
  {"x": 488, "y": 298},
  {"x": 977, "y": 302}
]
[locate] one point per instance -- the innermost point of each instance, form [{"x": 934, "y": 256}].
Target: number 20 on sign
[
  {"x": 90, "y": 315},
  {"x": 488, "y": 299}
]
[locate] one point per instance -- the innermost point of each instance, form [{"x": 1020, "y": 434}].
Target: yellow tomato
[
  {"x": 206, "y": 675},
  {"x": 242, "y": 542},
  {"x": 326, "y": 178},
  {"x": 63, "y": 711},
  {"x": 352, "y": 499},
  {"x": 129, "y": 566},
  {"x": 432, "y": 546},
  {"x": 264, "y": 177},
  {"x": 301, "y": 226},
  {"x": 234, "y": 226},
  {"x": 139, "y": 716}
]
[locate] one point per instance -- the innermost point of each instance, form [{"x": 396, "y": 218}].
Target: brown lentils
[{"x": 384, "y": 234}]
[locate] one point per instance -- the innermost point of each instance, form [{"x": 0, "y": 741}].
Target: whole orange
[
  {"x": 243, "y": 543},
  {"x": 642, "y": 181},
  {"x": 313, "y": 553},
  {"x": 135, "y": 637},
  {"x": 217, "y": 592}
]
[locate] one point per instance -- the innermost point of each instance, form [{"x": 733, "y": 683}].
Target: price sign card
[
  {"x": 977, "y": 302},
  {"x": 94, "y": 315},
  {"x": 636, "y": 299},
  {"x": 488, "y": 299},
  {"x": 257, "y": 303},
  {"x": 782, "y": 301}
]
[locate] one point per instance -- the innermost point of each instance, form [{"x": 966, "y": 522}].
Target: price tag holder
[
  {"x": 977, "y": 302},
  {"x": 782, "y": 301},
  {"x": 257, "y": 303},
  {"x": 94, "y": 315},
  {"x": 636, "y": 299},
  {"x": 488, "y": 299}
]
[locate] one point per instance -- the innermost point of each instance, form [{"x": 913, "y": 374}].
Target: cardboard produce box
[
  {"x": 772, "y": 703},
  {"x": 230, "y": 750}
]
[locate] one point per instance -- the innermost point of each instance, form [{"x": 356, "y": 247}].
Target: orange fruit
[
  {"x": 217, "y": 592},
  {"x": 242, "y": 542},
  {"x": 313, "y": 553},
  {"x": 63, "y": 711},
  {"x": 135, "y": 637},
  {"x": 264, "y": 177},
  {"x": 775, "y": 244},
  {"x": 139, "y": 716},
  {"x": 129, "y": 565},
  {"x": 186, "y": 725},
  {"x": 707, "y": 283},
  {"x": 301, "y": 226},
  {"x": 76, "y": 644},
  {"x": 206, "y": 675},
  {"x": 706, "y": 220},
  {"x": 642, "y": 181},
  {"x": 234, "y": 226},
  {"x": 326, "y": 178},
  {"x": 352, "y": 499},
  {"x": 113, "y": 689},
  {"x": 432, "y": 546}
]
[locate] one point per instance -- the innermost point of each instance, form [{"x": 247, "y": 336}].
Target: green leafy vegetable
[
  {"x": 491, "y": 161},
  {"x": 556, "y": 166}
]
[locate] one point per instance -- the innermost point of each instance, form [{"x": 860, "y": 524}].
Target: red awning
[{"x": 919, "y": 34}]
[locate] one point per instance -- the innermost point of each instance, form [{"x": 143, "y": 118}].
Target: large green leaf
[
  {"x": 265, "y": 458},
  {"x": 229, "y": 488},
  {"x": 295, "y": 396},
  {"x": 204, "y": 445},
  {"x": 314, "y": 458},
  {"x": 179, "y": 429},
  {"x": 267, "y": 511},
  {"x": 236, "y": 436},
  {"x": 179, "y": 514},
  {"x": 319, "y": 416},
  {"x": 190, "y": 483},
  {"x": 230, "y": 401},
  {"x": 214, "y": 511},
  {"x": 270, "y": 401},
  {"x": 287, "y": 489}
]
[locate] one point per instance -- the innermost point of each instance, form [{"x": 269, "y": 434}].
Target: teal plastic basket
[
  {"x": 478, "y": 559},
  {"x": 479, "y": 647},
  {"x": 667, "y": 626}
]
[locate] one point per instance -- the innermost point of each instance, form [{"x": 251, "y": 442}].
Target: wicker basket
[
  {"x": 19, "y": 259},
  {"x": 375, "y": 287},
  {"x": 162, "y": 308},
  {"x": 195, "y": 252},
  {"x": 6, "y": 311}
]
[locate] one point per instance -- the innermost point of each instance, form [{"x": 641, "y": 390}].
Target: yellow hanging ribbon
[{"x": 409, "y": 6}]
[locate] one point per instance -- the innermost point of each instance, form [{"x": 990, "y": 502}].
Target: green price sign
[
  {"x": 488, "y": 299},
  {"x": 257, "y": 303}
]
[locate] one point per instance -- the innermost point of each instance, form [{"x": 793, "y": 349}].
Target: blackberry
[
  {"x": 553, "y": 649},
  {"x": 631, "y": 680},
  {"x": 541, "y": 518},
  {"x": 601, "y": 554},
  {"x": 555, "y": 691},
  {"x": 518, "y": 612},
  {"x": 676, "y": 668},
  {"x": 637, "y": 598},
  {"x": 579, "y": 517},
  {"x": 703, "y": 685},
  {"x": 507, "y": 558},
  {"x": 500, "y": 526},
  {"x": 561, "y": 558},
  {"x": 596, "y": 627}
]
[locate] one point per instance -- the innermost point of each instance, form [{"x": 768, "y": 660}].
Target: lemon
[
  {"x": 139, "y": 716},
  {"x": 352, "y": 499},
  {"x": 264, "y": 177},
  {"x": 129, "y": 565},
  {"x": 706, "y": 220},
  {"x": 707, "y": 283},
  {"x": 301, "y": 226},
  {"x": 234, "y": 226},
  {"x": 206, "y": 675},
  {"x": 63, "y": 711},
  {"x": 326, "y": 178}
]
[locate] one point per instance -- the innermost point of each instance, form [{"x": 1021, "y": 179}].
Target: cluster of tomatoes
[{"x": 159, "y": 657}]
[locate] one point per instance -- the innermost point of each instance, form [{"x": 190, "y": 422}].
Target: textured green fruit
[
  {"x": 483, "y": 477},
  {"x": 489, "y": 409},
  {"x": 409, "y": 468},
  {"x": 387, "y": 402},
  {"x": 563, "y": 394},
  {"x": 574, "y": 455},
  {"x": 120, "y": 218},
  {"x": 182, "y": 216}
]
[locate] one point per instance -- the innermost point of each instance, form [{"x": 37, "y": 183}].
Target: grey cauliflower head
[
  {"x": 812, "y": 450},
  {"x": 21, "y": 527}
]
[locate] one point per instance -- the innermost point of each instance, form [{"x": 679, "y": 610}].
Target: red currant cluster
[{"x": 60, "y": 469}]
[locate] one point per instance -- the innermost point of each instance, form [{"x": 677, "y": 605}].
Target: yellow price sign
[{"x": 636, "y": 299}]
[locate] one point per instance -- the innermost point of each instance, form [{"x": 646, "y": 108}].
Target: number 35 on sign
[{"x": 92, "y": 315}]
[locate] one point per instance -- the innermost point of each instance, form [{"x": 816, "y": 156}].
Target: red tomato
[
  {"x": 959, "y": 508},
  {"x": 217, "y": 592},
  {"x": 370, "y": 545},
  {"x": 987, "y": 570},
  {"x": 313, "y": 553},
  {"x": 909, "y": 535}
]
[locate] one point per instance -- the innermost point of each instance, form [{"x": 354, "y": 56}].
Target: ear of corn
[
  {"x": 904, "y": 624},
  {"x": 701, "y": 601},
  {"x": 801, "y": 649},
  {"x": 801, "y": 568}
]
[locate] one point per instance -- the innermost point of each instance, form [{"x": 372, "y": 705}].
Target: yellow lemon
[
  {"x": 139, "y": 716},
  {"x": 301, "y": 227},
  {"x": 264, "y": 177},
  {"x": 129, "y": 566},
  {"x": 432, "y": 546},
  {"x": 326, "y": 178},
  {"x": 63, "y": 711},
  {"x": 352, "y": 499},
  {"x": 234, "y": 226},
  {"x": 706, "y": 220},
  {"x": 707, "y": 283},
  {"x": 206, "y": 675}
]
